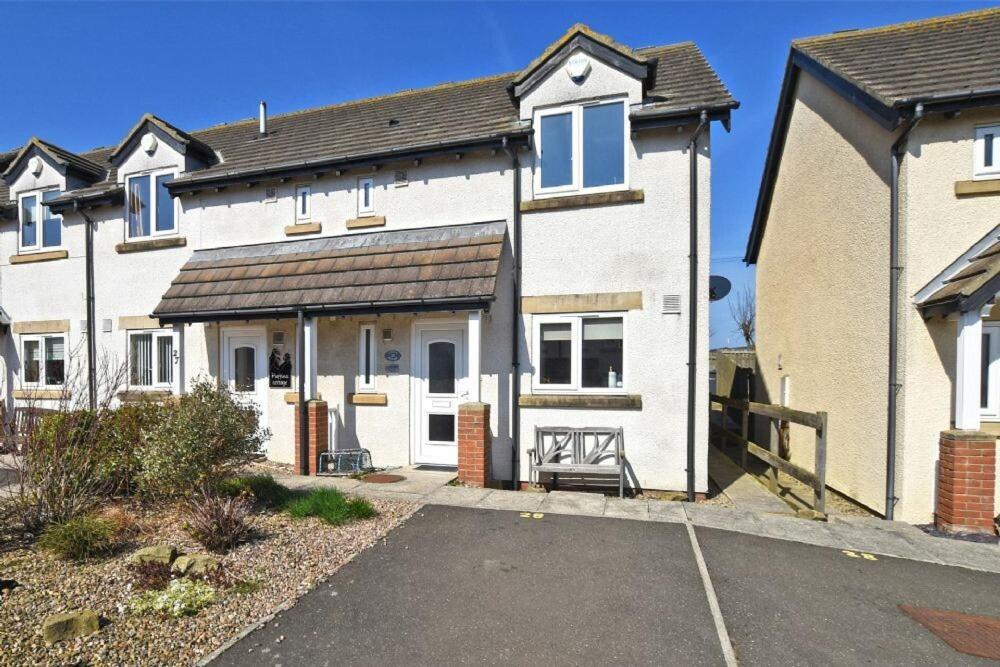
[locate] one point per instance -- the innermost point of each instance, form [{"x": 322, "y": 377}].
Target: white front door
[
  {"x": 441, "y": 382},
  {"x": 244, "y": 367},
  {"x": 989, "y": 383}
]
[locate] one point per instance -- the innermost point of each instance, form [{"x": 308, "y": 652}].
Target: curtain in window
[
  {"x": 32, "y": 360},
  {"x": 556, "y": 350},
  {"x": 141, "y": 360},
  {"x": 29, "y": 221},
  {"x": 165, "y": 357},
  {"x": 55, "y": 361},
  {"x": 138, "y": 206}
]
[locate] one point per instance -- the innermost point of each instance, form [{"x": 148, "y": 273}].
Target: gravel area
[{"x": 286, "y": 559}]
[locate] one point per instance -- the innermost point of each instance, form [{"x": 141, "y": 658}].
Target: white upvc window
[
  {"x": 582, "y": 148},
  {"x": 366, "y": 357},
  {"x": 303, "y": 202},
  {"x": 579, "y": 352},
  {"x": 986, "y": 152},
  {"x": 39, "y": 228},
  {"x": 149, "y": 208},
  {"x": 43, "y": 360},
  {"x": 366, "y": 196},
  {"x": 150, "y": 358}
]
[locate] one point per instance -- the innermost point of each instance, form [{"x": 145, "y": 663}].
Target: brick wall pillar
[
  {"x": 319, "y": 433},
  {"x": 966, "y": 481},
  {"x": 474, "y": 442}
]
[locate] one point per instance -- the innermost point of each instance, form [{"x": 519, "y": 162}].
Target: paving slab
[
  {"x": 457, "y": 496},
  {"x": 741, "y": 488},
  {"x": 386, "y": 494},
  {"x": 721, "y": 517},
  {"x": 570, "y": 502},
  {"x": 627, "y": 508},
  {"x": 666, "y": 511},
  {"x": 518, "y": 501}
]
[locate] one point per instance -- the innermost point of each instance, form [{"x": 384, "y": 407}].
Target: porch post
[
  {"x": 310, "y": 356},
  {"x": 475, "y": 348},
  {"x": 180, "y": 381},
  {"x": 968, "y": 369}
]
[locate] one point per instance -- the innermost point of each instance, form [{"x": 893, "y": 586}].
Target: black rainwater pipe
[
  {"x": 515, "y": 363},
  {"x": 91, "y": 312},
  {"x": 895, "y": 269},
  {"x": 693, "y": 305},
  {"x": 303, "y": 408}
]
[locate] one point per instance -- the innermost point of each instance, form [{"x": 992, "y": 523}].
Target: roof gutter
[
  {"x": 895, "y": 270},
  {"x": 79, "y": 202}
]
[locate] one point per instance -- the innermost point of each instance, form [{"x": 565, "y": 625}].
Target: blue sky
[{"x": 200, "y": 64}]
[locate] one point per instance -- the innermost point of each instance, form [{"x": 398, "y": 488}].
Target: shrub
[
  {"x": 79, "y": 538},
  {"x": 150, "y": 576},
  {"x": 182, "y": 597},
  {"x": 263, "y": 489},
  {"x": 118, "y": 440},
  {"x": 331, "y": 506},
  {"x": 246, "y": 587},
  {"x": 218, "y": 522},
  {"x": 202, "y": 436}
]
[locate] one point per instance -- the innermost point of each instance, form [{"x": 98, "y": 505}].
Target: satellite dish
[{"x": 718, "y": 287}]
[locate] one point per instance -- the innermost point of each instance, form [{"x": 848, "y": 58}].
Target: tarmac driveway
[{"x": 456, "y": 585}]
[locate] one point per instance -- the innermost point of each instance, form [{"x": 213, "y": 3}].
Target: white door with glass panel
[
  {"x": 441, "y": 388},
  {"x": 989, "y": 384},
  {"x": 244, "y": 368}
]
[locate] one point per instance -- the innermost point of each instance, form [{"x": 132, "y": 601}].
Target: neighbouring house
[
  {"x": 875, "y": 240},
  {"x": 519, "y": 241}
]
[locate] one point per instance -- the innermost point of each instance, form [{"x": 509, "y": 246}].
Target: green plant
[
  {"x": 263, "y": 489},
  {"x": 118, "y": 439},
  {"x": 246, "y": 587},
  {"x": 218, "y": 522},
  {"x": 331, "y": 506},
  {"x": 203, "y": 436},
  {"x": 150, "y": 575},
  {"x": 79, "y": 538},
  {"x": 181, "y": 597}
]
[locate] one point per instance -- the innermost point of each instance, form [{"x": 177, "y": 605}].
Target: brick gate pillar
[
  {"x": 474, "y": 444},
  {"x": 966, "y": 482},
  {"x": 319, "y": 432}
]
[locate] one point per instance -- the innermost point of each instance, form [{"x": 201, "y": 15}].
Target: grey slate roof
[
  {"x": 446, "y": 114},
  {"x": 897, "y": 64},
  {"x": 973, "y": 284}
]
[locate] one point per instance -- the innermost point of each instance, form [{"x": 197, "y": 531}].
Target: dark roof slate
[{"x": 977, "y": 278}]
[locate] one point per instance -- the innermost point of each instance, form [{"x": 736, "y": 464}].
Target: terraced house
[
  {"x": 876, "y": 245},
  {"x": 517, "y": 245}
]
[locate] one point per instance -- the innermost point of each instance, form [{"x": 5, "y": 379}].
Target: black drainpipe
[
  {"x": 303, "y": 408},
  {"x": 693, "y": 304},
  {"x": 91, "y": 312},
  {"x": 895, "y": 269},
  {"x": 515, "y": 374}
]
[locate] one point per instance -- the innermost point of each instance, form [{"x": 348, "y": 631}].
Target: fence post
[
  {"x": 745, "y": 433},
  {"x": 819, "y": 500},
  {"x": 772, "y": 473}
]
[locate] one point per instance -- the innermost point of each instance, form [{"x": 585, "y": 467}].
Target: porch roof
[
  {"x": 435, "y": 268},
  {"x": 969, "y": 283}
]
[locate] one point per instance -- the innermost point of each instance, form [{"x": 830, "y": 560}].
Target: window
[
  {"x": 989, "y": 378},
  {"x": 366, "y": 357},
  {"x": 151, "y": 358},
  {"x": 303, "y": 202},
  {"x": 150, "y": 210},
  {"x": 583, "y": 353},
  {"x": 582, "y": 148},
  {"x": 40, "y": 228},
  {"x": 43, "y": 360},
  {"x": 366, "y": 196},
  {"x": 986, "y": 152}
]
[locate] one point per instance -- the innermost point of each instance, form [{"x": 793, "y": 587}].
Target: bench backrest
[
  {"x": 588, "y": 445},
  {"x": 27, "y": 419}
]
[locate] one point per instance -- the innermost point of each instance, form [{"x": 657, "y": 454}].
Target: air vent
[
  {"x": 671, "y": 304},
  {"x": 271, "y": 194},
  {"x": 399, "y": 178},
  {"x": 106, "y": 326}
]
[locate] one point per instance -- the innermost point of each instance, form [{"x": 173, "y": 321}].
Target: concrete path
[
  {"x": 455, "y": 585},
  {"x": 888, "y": 538},
  {"x": 745, "y": 491}
]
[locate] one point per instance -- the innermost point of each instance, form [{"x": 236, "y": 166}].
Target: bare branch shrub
[{"x": 743, "y": 310}]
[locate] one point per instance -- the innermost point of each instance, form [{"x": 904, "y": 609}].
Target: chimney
[{"x": 263, "y": 118}]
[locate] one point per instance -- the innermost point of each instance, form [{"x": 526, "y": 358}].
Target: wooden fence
[{"x": 776, "y": 415}]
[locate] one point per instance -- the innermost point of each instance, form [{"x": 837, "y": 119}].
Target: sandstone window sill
[
  {"x": 40, "y": 394},
  {"x": 582, "y": 201},
  {"x": 137, "y": 395},
  {"x": 975, "y": 188},
  {"x": 367, "y": 221},
  {"x": 368, "y": 399},
  {"x": 150, "y": 244},
  {"x": 590, "y": 401},
  {"x": 292, "y": 398},
  {"x": 304, "y": 228},
  {"x": 31, "y": 257}
]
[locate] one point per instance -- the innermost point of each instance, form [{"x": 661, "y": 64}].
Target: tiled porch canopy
[{"x": 436, "y": 268}]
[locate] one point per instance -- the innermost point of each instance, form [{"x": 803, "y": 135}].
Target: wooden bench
[
  {"x": 17, "y": 429},
  {"x": 587, "y": 451}
]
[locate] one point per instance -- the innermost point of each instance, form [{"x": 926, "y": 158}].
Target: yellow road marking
[
  {"x": 531, "y": 515},
  {"x": 858, "y": 554}
]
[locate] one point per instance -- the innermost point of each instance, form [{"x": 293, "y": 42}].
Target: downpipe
[
  {"x": 515, "y": 373},
  {"x": 91, "y": 310},
  {"x": 693, "y": 305},
  {"x": 895, "y": 271}
]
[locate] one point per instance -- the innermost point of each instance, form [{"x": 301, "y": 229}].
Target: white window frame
[
  {"x": 979, "y": 170},
  {"x": 576, "y": 112},
  {"x": 41, "y": 338},
  {"x": 157, "y": 333},
  {"x": 153, "y": 205},
  {"x": 299, "y": 213},
  {"x": 40, "y": 212},
  {"x": 576, "y": 352},
  {"x": 991, "y": 411},
  {"x": 362, "y": 209},
  {"x": 370, "y": 356}
]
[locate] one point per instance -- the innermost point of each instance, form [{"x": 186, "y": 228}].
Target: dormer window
[
  {"x": 581, "y": 148},
  {"x": 302, "y": 202},
  {"x": 149, "y": 207},
  {"x": 987, "y": 152},
  {"x": 40, "y": 228}
]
